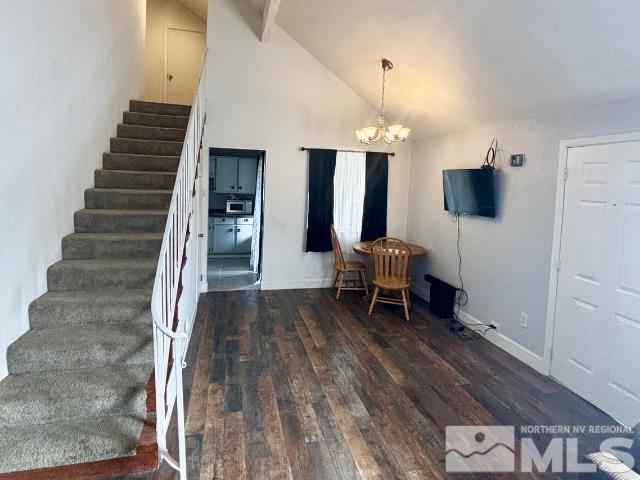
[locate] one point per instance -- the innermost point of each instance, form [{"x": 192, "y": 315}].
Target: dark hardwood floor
[{"x": 296, "y": 385}]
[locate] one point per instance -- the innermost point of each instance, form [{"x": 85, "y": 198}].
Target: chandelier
[{"x": 391, "y": 133}]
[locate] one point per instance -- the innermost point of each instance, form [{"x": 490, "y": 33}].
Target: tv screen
[{"x": 469, "y": 192}]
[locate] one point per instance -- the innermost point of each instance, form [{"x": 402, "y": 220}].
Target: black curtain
[
  {"x": 374, "y": 215},
  {"x": 322, "y": 167}
]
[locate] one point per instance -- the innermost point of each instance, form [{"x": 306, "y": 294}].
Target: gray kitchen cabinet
[
  {"x": 244, "y": 234},
  {"x": 226, "y": 175},
  {"x": 231, "y": 235},
  {"x": 224, "y": 238},
  {"x": 247, "y": 175},
  {"x": 244, "y": 220},
  {"x": 235, "y": 175},
  {"x": 210, "y": 249}
]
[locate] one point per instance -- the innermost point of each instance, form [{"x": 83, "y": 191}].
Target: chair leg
[
  {"x": 374, "y": 299},
  {"x": 363, "y": 279},
  {"x": 405, "y": 301},
  {"x": 340, "y": 279},
  {"x": 409, "y": 298},
  {"x": 335, "y": 280}
]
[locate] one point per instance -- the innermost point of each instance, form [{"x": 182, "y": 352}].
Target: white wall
[
  {"x": 506, "y": 261},
  {"x": 277, "y": 97},
  {"x": 163, "y": 14},
  {"x": 68, "y": 69}
]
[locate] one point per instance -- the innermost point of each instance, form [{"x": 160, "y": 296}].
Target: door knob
[{"x": 170, "y": 77}]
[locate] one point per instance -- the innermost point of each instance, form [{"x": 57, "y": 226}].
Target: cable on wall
[
  {"x": 490, "y": 157},
  {"x": 463, "y": 298}
]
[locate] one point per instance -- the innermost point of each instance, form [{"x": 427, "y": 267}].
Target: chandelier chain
[{"x": 384, "y": 75}]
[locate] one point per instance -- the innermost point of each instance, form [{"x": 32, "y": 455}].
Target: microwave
[{"x": 242, "y": 207}]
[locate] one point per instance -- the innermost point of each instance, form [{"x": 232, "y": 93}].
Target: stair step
[
  {"x": 79, "y": 246},
  {"x": 154, "y": 120},
  {"x": 91, "y": 346},
  {"x": 141, "y": 106},
  {"x": 146, "y": 147},
  {"x": 65, "y": 395},
  {"x": 122, "y": 198},
  {"x": 60, "y": 309},
  {"x": 128, "y": 179},
  {"x": 142, "y": 163},
  {"x": 30, "y": 447},
  {"x": 75, "y": 403},
  {"x": 119, "y": 220},
  {"x": 74, "y": 275},
  {"x": 144, "y": 132}
]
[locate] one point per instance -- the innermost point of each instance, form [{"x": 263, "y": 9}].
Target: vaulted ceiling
[
  {"x": 197, "y": 7},
  {"x": 464, "y": 63}
]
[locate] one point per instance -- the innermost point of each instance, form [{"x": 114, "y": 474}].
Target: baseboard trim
[
  {"x": 296, "y": 284},
  {"x": 510, "y": 346},
  {"x": 500, "y": 340}
]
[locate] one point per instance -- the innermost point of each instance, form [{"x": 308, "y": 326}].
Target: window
[{"x": 348, "y": 197}]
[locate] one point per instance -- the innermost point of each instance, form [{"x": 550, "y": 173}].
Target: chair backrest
[
  {"x": 338, "y": 257},
  {"x": 391, "y": 259}
]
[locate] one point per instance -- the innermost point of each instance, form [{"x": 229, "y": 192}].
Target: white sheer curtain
[
  {"x": 254, "y": 263},
  {"x": 348, "y": 197}
]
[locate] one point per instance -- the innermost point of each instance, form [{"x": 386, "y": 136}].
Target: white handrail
[{"x": 176, "y": 287}]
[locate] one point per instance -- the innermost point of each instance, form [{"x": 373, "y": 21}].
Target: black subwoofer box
[{"x": 441, "y": 297}]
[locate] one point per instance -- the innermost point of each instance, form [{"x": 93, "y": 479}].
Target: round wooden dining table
[{"x": 364, "y": 248}]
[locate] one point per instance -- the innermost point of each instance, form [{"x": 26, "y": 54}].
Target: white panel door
[
  {"x": 596, "y": 347},
  {"x": 184, "y": 58}
]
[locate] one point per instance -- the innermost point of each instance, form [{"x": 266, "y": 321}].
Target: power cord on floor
[{"x": 463, "y": 298}]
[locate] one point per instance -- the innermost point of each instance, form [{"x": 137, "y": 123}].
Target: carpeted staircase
[{"x": 77, "y": 385}]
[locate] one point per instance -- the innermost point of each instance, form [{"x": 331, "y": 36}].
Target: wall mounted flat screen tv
[{"x": 469, "y": 191}]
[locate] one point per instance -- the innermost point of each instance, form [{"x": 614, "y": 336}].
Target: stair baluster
[{"x": 176, "y": 287}]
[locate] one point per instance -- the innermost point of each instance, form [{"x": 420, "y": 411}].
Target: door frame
[
  {"x": 165, "y": 66},
  {"x": 556, "y": 250},
  {"x": 203, "y": 221},
  {"x": 205, "y": 174}
]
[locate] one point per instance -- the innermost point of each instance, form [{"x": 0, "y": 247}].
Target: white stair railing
[{"x": 176, "y": 288}]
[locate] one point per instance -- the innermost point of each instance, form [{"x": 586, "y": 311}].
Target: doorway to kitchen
[{"x": 236, "y": 194}]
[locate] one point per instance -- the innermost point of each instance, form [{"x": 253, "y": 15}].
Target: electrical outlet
[{"x": 524, "y": 319}]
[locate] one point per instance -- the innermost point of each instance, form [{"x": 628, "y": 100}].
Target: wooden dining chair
[
  {"x": 391, "y": 259},
  {"x": 342, "y": 267}
]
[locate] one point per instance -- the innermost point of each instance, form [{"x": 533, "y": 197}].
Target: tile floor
[{"x": 231, "y": 274}]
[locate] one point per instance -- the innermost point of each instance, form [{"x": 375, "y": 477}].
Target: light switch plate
[{"x": 517, "y": 160}]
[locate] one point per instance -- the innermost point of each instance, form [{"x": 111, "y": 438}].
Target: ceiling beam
[{"x": 269, "y": 18}]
